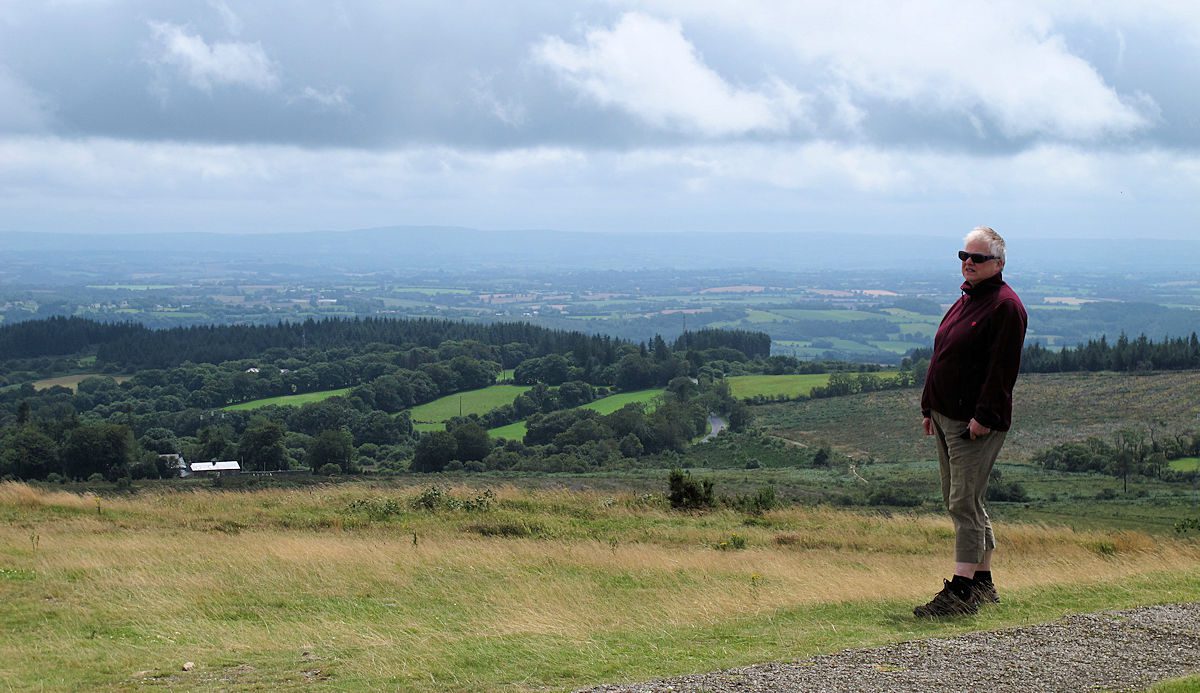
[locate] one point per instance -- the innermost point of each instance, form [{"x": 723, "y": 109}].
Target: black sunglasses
[{"x": 977, "y": 258}]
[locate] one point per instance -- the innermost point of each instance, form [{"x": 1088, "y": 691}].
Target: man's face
[{"x": 975, "y": 273}]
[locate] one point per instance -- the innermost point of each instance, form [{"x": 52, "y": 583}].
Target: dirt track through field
[{"x": 1110, "y": 650}]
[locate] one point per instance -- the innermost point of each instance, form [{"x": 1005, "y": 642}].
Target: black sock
[
  {"x": 983, "y": 576},
  {"x": 961, "y": 586}
]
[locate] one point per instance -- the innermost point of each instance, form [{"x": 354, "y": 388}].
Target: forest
[{"x": 176, "y": 387}]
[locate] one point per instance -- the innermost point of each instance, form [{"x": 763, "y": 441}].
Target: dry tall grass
[{"x": 258, "y": 579}]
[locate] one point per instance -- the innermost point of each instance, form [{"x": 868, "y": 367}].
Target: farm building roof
[{"x": 230, "y": 466}]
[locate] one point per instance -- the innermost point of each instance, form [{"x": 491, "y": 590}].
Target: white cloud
[
  {"x": 1004, "y": 61},
  {"x": 206, "y": 65},
  {"x": 278, "y": 188},
  {"x": 233, "y": 23},
  {"x": 334, "y": 99},
  {"x": 648, "y": 68}
]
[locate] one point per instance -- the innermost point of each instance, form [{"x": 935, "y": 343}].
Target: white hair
[{"x": 988, "y": 235}]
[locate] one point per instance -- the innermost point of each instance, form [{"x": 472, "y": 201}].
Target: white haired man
[{"x": 967, "y": 406}]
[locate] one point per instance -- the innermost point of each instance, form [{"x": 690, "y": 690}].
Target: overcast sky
[{"x": 1054, "y": 119}]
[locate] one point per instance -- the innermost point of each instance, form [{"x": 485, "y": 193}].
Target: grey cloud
[{"x": 364, "y": 74}]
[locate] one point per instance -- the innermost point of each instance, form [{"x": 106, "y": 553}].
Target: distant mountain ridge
[{"x": 431, "y": 247}]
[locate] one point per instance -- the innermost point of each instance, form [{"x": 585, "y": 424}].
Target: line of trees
[
  {"x": 1130, "y": 452},
  {"x": 1137, "y": 354}
]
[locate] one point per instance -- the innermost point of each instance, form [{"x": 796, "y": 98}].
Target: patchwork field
[
  {"x": 288, "y": 400},
  {"x": 360, "y": 587},
  {"x": 433, "y": 415},
  {"x": 72, "y": 381},
  {"x": 746, "y": 386},
  {"x": 604, "y": 405}
]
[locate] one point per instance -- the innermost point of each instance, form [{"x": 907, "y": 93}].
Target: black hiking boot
[
  {"x": 984, "y": 593},
  {"x": 947, "y": 604}
]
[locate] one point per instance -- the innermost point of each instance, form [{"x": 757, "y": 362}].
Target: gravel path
[{"x": 1111, "y": 651}]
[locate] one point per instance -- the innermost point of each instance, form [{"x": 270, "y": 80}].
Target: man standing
[{"x": 967, "y": 405}]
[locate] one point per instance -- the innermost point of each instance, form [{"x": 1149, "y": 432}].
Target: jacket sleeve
[{"x": 994, "y": 406}]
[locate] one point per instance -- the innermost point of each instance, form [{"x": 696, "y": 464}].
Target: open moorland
[
  {"x": 408, "y": 588},
  {"x": 1047, "y": 409}
]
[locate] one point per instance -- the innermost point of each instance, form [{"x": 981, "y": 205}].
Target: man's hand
[
  {"x": 927, "y": 424},
  {"x": 977, "y": 429}
]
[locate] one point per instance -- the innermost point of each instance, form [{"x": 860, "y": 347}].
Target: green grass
[
  {"x": 607, "y": 405},
  {"x": 352, "y": 587},
  {"x": 288, "y": 400},
  {"x": 745, "y": 386},
  {"x": 1185, "y": 464},
  {"x": 472, "y": 402},
  {"x": 513, "y": 431},
  {"x": 829, "y": 315},
  {"x": 1186, "y": 684},
  {"x": 604, "y": 405}
]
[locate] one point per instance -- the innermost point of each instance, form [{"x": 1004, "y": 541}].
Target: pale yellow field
[{"x": 279, "y": 588}]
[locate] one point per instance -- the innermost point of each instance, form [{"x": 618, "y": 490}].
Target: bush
[
  {"x": 687, "y": 493},
  {"x": 329, "y": 469},
  {"x": 95, "y": 478},
  {"x": 760, "y": 502},
  {"x": 1106, "y": 494},
  {"x": 54, "y": 478},
  {"x": 1007, "y": 492},
  {"x": 898, "y": 497}
]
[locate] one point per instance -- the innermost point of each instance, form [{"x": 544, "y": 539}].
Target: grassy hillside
[
  {"x": 431, "y": 415},
  {"x": 1047, "y": 409},
  {"x": 355, "y": 587},
  {"x": 746, "y": 386},
  {"x": 604, "y": 405},
  {"x": 288, "y": 400}
]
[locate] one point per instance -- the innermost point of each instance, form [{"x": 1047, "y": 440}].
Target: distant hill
[{"x": 432, "y": 247}]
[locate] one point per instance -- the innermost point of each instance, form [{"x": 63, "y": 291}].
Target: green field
[
  {"x": 746, "y": 386},
  {"x": 288, "y": 400},
  {"x": 1185, "y": 464},
  {"x": 465, "y": 403},
  {"x": 604, "y": 405},
  {"x": 359, "y": 587},
  {"x": 72, "y": 381}
]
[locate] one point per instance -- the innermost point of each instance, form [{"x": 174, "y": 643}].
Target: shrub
[
  {"x": 899, "y": 497},
  {"x": 687, "y": 493},
  {"x": 95, "y": 478},
  {"x": 329, "y": 469},
  {"x": 735, "y": 542},
  {"x": 1007, "y": 492},
  {"x": 756, "y": 504},
  {"x": 434, "y": 498},
  {"x": 1106, "y": 494},
  {"x": 54, "y": 478}
]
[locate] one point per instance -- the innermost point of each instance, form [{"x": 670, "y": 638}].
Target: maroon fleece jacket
[{"x": 976, "y": 356}]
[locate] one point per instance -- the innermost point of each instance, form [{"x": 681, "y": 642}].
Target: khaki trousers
[{"x": 965, "y": 467}]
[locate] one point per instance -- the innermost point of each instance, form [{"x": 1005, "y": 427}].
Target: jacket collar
[{"x": 986, "y": 286}]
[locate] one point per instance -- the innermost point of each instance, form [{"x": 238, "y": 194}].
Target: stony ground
[{"x": 1109, "y": 651}]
